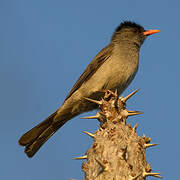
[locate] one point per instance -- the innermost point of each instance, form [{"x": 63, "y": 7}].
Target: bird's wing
[{"x": 100, "y": 58}]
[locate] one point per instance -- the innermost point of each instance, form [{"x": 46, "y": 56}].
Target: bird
[{"x": 113, "y": 68}]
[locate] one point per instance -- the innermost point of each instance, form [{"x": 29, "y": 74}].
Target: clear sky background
[{"x": 45, "y": 46}]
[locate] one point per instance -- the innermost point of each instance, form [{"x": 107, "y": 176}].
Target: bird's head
[{"x": 131, "y": 32}]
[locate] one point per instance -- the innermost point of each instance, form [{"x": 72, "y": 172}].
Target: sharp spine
[
  {"x": 145, "y": 174},
  {"x": 150, "y": 145},
  {"x": 94, "y": 101},
  {"x": 132, "y": 113},
  {"x": 90, "y": 117},
  {"x": 81, "y": 157},
  {"x": 128, "y": 96},
  {"x": 89, "y": 134}
]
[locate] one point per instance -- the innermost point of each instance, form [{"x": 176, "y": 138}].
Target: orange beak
[{"x": 149, "y": 32}]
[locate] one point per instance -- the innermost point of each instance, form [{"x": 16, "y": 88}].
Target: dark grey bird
[{"x": 113, "y": 68}]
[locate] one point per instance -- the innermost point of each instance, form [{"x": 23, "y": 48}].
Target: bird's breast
[{"x": 115, "y": 73}]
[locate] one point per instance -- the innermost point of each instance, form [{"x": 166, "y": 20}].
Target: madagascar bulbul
[{"x": 113, "y": 68}]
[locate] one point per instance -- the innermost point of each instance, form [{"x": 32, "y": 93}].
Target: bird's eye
[{"x": 135, "y": 30}]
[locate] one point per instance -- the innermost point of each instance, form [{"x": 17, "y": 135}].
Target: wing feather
[{"x": 99, "y": 59}]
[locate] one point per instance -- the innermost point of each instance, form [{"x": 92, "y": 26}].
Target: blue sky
[{"x": 45, "y": 46}]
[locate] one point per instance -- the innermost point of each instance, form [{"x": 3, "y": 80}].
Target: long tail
[{"x": 37, "y": 136}]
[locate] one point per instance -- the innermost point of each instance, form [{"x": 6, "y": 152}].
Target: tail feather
[
  {"x": 32, "y": 148},
  {"x": 32, "y": 134},
  {"x": 37, "y": 136}
]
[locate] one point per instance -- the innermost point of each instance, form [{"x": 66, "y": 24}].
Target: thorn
[
  {"x": 145, "y": 174},
  {"x": 90, "y": 117},
  {"x": 126, "y": 113},
  {"x": 81, "y": 157},
  {"x": 128, "y": 96},
  {"x": 132, "y": 113},
  {"x": 150, "y": 145},
  {"x": 135, "y": 127},
  {"x": 90, "y": 134},
  {"x": 94, "y": 101},
  {"x": 158, "y": 176}
]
